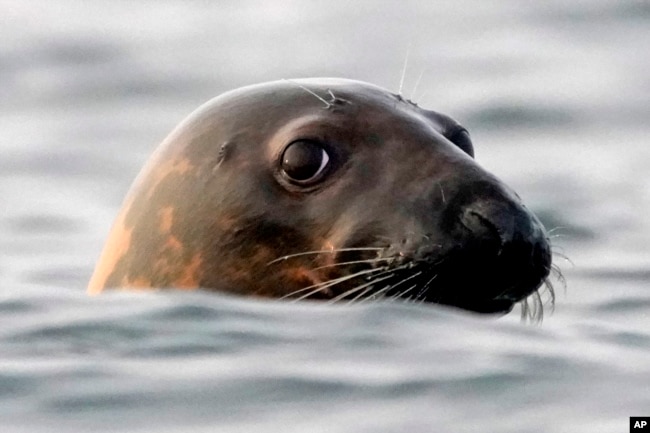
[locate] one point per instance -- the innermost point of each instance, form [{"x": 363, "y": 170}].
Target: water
[{"x": 556, "y": 97}]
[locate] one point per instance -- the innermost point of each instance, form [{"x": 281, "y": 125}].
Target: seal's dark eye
[
  {"x": 303, "y": 160},
  {"x": 461, "y": 139}
]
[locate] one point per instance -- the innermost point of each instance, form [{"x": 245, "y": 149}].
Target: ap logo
[{"x": 640, "y": 424}]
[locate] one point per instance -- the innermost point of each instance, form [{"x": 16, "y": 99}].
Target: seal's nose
[
  {"x": 502, "y": 223},
  {"x": 501, "y": 250}
]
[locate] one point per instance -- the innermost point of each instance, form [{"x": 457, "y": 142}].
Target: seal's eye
[
  {"x": 303, "y": 160},
  {"x": 461, "y": 138}
]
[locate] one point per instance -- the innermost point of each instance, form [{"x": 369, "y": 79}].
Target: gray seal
[{"x": 325, "y": 189}]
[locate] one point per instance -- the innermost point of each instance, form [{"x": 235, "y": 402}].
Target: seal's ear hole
[
  {"x": 461, "y": 138},
  {"x": 304, "y": 160}
]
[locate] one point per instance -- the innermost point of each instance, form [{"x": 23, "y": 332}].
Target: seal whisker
[
  {"x": 539, "y": 307},
  {"x": 417, "y": 83},
  {"x": 360, "y": 299},
  {"x": 337, "y": 250},
  {"x": 311, "y": 92},
  {"x": 385, "y": 270},
  {"x": 557, "y": 249},
  {"x": 551, "y": 290},
  {"x": 387, "y": 287},
  {"x": 411, "y": 299},
  {"x": 406, "y": 61},
  {"x": 379, "y": 294},
  {"x": 356, "y": 289},
  {"x": 558, "y": 275},
  {"x": 422, "y": 95},
  {"x": 401, "y": 294},
  {"x": 525, "y": 310},
  {"x": 383, "y": 238},
  {"x": 535, "y": 313},
  {"x": 410, "y": 277},
  {"x": 356, "y": 262},
  {"x": 326, "y": 284},
  {"x": 554, "y": 229},
  {"x": 408, "y": 290},
  {"x": 329, "y": 283},
  {"x": 564, "y": 257},
  {"x": 307, "y": 295},
  {"x": 425, "y": 287}
]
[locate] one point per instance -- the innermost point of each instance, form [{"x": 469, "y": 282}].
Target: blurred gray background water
[{"x": 556, "y": 96}]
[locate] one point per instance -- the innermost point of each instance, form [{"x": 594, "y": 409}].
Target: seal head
[{"x": 325, "y": 189}]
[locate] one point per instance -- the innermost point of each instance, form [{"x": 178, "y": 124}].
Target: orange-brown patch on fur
[
  {"x": 160, "y": 172},
  {"x": 190, "y": 278},
  {"x": 166, "y": 218},
  {"x": 117, "y": 245},
  {"x": 168, "y": 258},
  {"x": 226, "y": 223},
  {"x": 137, "y": 283},
  {"x": 173, "y": 244},
  {"x": 328, "y": 259},
  {"x": 303, "y": 276}
]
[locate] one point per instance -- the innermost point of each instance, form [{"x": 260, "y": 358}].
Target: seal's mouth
[
  {"x": 475, "y": 287},
  {"x": 465, "y": 278},
  {"x": 481, "y": 275},
  {"x": 441, "y": 283}
]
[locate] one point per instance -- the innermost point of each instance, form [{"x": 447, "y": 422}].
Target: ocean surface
[{"x": 556, "y": 95}]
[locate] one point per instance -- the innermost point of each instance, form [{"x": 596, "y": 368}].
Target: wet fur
[{"x": 165, "y": 238}]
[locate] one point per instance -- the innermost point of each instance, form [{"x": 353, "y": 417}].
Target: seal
[{"x": 325, "y": 189}]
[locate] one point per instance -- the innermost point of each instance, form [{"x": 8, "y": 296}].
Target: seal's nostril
[
  {"x": 492, "y": 221},
  {"x": 480, "y": 226}
]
